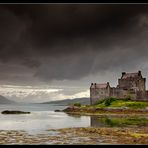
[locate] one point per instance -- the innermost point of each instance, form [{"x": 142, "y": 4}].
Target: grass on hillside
[{"x": 114, "y": 102}]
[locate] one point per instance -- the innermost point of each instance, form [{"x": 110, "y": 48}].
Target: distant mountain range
[
  {"x": 83, "y": 101},
  {"x": 4, "y": 100}
]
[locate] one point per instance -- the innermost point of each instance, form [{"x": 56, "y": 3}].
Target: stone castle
[{"x": 129, "y": 85}]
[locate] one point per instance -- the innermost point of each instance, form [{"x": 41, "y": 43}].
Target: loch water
[{"x": 44, "y": 117}]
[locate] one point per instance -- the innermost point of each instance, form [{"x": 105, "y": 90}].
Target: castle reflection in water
[{"x": 96, "y": 122}]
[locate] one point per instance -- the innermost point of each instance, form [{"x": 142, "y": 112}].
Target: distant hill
[
  {"x": 83, "y": 101},
  {"x": 4, "y": 100}
]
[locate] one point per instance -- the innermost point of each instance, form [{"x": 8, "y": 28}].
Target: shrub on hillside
[
  {"x": 77, "y": 104},
  {"x": 100, "y": 101},
  {"x": 126, "y": 99},
  {"x": 108, "y": 101}
]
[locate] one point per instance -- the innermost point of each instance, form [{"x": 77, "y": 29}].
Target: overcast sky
[{"x": 54, "y": 51}]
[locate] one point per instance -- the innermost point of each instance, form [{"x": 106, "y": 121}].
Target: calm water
[{"x": 42, "y": 117}]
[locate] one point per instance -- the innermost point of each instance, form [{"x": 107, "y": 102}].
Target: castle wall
[
  {"x": 146, "y": 96},
  {"x": 141, "y": 84},
  {"x": 141, "y": 96},
  {"x": 121, "y": 93},
  {"x": 97, "y": 94},
  {"x": 137, "y": 84},
  {"x": 123, "y": 83}
]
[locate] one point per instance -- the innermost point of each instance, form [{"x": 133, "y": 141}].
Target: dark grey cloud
[{"x": 70, "y": 42}]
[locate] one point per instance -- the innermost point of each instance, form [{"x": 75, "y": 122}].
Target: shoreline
[
  {"x": 92, "y": 111},
  {"x": 78, "y": 135},
  {"x": 106, "y": 115},
  {"x": 91, "y": 135}
]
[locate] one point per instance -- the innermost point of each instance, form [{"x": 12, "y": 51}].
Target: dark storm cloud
[{"x": 59, "y": 42}]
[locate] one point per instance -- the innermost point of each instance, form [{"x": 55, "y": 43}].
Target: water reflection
[
  {"x": 73, "y": 115},
  {"x": 96, "y": 121}
]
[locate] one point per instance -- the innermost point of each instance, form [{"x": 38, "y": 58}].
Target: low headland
[{"x": 111, "y": 106}]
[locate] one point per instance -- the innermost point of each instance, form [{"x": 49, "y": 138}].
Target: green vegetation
[
  {"x": 110, "y": 106},
  {"x": 108, "y": 101},
  {"x": 100, "y": 101},
  {"x": 125, "y": 102},
  {"x": 77, "y": 104},
  {"x": 124, "y": 121}
]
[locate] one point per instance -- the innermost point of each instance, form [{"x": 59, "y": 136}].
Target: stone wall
[
  {"x": 121, "y": 93},
  {"x": 97, "y": 94},
  {"x": 132, "y": 83}
]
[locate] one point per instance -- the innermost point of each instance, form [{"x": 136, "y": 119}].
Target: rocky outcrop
[
  {"x": 71, "y": 109},
  {"x": 14, "y": 112},
  {"x": 58, "y": 110}
]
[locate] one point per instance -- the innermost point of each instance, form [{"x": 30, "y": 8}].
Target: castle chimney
[
  {"x": 91, "y": 85},
  {"x": 95, "y": 85},
  {"x": 123, "y": 73},
  {"x": 139, "y": 73}
]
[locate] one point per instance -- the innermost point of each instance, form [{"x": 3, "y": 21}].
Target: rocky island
[{"x": 14, "y": 112}]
